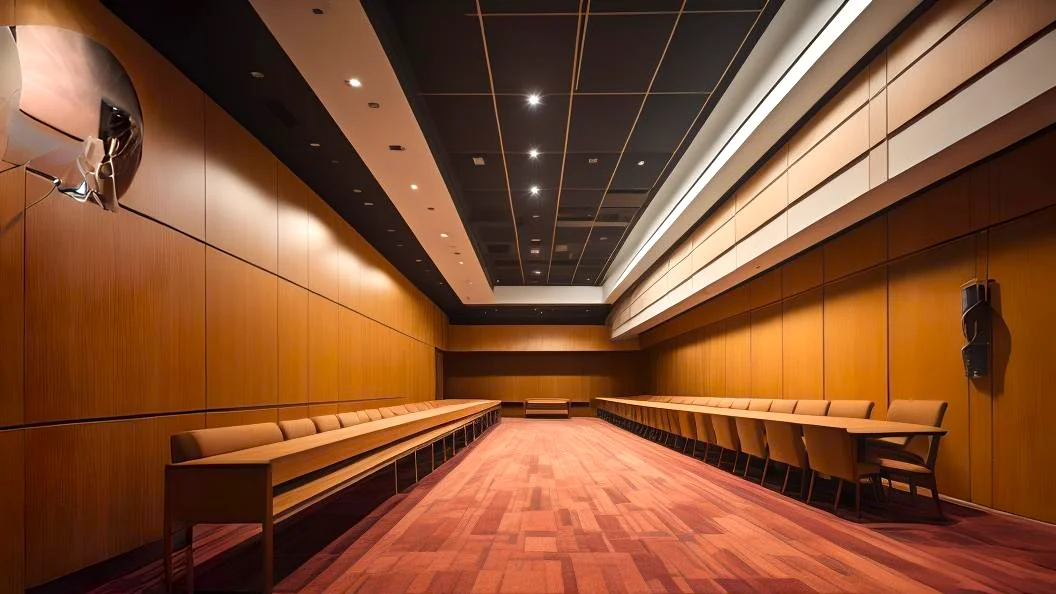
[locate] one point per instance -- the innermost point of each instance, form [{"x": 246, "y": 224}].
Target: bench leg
[{"x": 268, "y": 545}]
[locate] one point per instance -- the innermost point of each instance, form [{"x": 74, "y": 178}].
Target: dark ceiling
[{"x": 624, "y": 85}]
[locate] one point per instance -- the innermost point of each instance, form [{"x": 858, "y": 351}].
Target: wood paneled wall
[
  {"x": 875, "y": 314},
  {"x": 513, "y": 377},
  {"x": 535, "y": 338},
  {"x": 226, "y": 292}
]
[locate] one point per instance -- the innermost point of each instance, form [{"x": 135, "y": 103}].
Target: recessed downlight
[
  {"x": 418, "y": 260},
  {"x": 390, "y": 230},
  {"x": 535, "y": 99},
  {"x": 354, "y": 82},
  {"x": 357, "y": 191},
  {"x": 314, "y": 144},
  {"x": 444, "y": 235},
  {"x": 414, "y": 186},
  {"x": 535, "y": 216},
  {"x": 534, "y": 190},
  {"x": 533, "y": 153},
  {"x": 368, "y": 204},
  {"x": 256, "y": 74},
  {"x": 537, "y": 272},
  {"x": 640, "y": 163},
  {"x": 461, "y": 262}
]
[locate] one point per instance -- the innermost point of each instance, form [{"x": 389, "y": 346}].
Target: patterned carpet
[{"x": 578, "y": 506}]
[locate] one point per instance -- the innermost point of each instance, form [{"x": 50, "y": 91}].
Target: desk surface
[
  {"x": 273, "y": 451},
  {"x": 856, "y": 427}
]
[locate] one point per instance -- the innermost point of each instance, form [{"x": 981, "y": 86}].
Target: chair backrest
[
  {"x": 785, "y": 441},
  {"x": 752, "y": 435},
  {"x": 831, "y": 451},
  {"x": 920, "y": 412},
  {"x": 740, "y": 403},
  {"x": 373, "y": 414},
  {"x": 817, "y": 408},
  {"x": 760, "y": 404},
  {"x": 711, "y": 401},
  {"x": 202, "y": 443},
  {"x": 413, "y": 407},
  {"x": 723, "y": 402},
  {"x": 297, "y": 428},
  {"x": 725, "y": 432},
  {"x": 783, "y": 406},
  {"x": 348, "y": 419},
  {"x": 386, "y": 412},
  {"x": 400, "y": 409},
  {"x": 704, "y": 429},
  {"x": 326, "y": 423},
  {"x": 851, "y": 409}
]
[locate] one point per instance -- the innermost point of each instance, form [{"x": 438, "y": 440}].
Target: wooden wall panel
[
  {"x": 287, "y": 413},
  {"x": 1022, "y": 258},
  {"x": 766, "y": 352},
  {"x": 12, "y": 306},
  {"x": 241, "y": 202},
  {"x": 292, "y": 196},
  {"x": 12, "y": 507},
  {"x": 714, "y": 357},
  {"x": 840, "y": 148},
  {"x": 1021, "y": 180},
  {"x": 230, "y": 418},
  {"x": 856, "y": 250},
  {"x": 517, "y": 376},
  {"x": 535, "y": 338},
  {"x": 925, "y": 346},
  {"x": 80, "y": 477},
  {"x": 241, "y": 309},
  {"x": 292, "y": 343},
  {"x": 324, "y": 248},
  {"x": 925, "y": 32},
  {"x": 323, "y": 345},
  {"x": 803, "y": 339},
  {"x": 115, "y": 314},
  {"x": 856, "y": 339},
  {"x": 938, "y": 215},
  {"x": 805, "y": 272},
  {"x": 739, "y": 356}
]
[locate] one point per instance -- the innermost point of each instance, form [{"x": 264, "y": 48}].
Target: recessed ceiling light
[
  {"x": 534, "y": 153},
  {"x": 334, "y": 161},
  {"x": 604, "y": 238},
  {"x": 414, "y": 186},
  {"x": 592, "y": 160},
  {"x": 399, "y": 245},
  {"x": 534, "y": 99},
  {"x": 368, "y": 204},
  {"x": 535, "y": 216},
  {"x": 443, "y": 235},
  {"x": 256, "y": 74},
  {"x": 354, "y": 82},
  {"x": 357, "y": 191},
  {"x": 536, "y": 240},
  {"x": 640, "y": 163},
  {"x": 534, "y": 190},
  {"x": 314, "y": 144},
  {"x": 390, "y": 230},
  {"x": 537, "y": 272},
  {"x": 418, "y": 260},
  {"x": 478, "y": 161},
  {"x": 461, "y": 262},
  {"x": 535, "y": 251}
]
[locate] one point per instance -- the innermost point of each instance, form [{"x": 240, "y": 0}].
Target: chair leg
[
  {"x": 766, "y": 466},
  {"x": 788, "y": 473},
  {"x": 913, "y": 491},
  {"x": 935, "y": 498},
  {"x": 810, "y": 491},
  {"x": 747, "y": 465},
  {"x": 693, "y": 452},
  {"x": 858, "y": 498},
  {"x": 839, "y": 493},
  {"x": 736, "y": 459}
]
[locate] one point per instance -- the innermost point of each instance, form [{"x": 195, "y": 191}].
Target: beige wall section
[
  {"x": 535, "y": 338},
  {"x": 946, "y": 48},
  {"x": 885, "y": 325},
  {"x": 250, "y": 300}
]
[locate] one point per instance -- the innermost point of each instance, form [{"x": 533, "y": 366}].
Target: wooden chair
[
  {"x": 817, "y": 408},
  {"x": 834, "y": 452},
  {"x": 851, "y": 409},
  {"x": 752, "y": 435},
  {"x": 911, "y": 458}
]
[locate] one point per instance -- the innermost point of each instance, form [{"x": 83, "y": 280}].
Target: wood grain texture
[
  {"x": 841, "y": 107},
  {"x": 840, "y": 148},
  {"x": 71, "y": 512},
  {"x": 170, "y": 182},
  {"x": 115, "y": 314},
  {"x": 323, "y": 346},
  {"x": 738, "y": 356},
  {"x": 230, "y": 418},
  {"x": 925, "y": 347},
  {"x": 518, "y": 376},
  {"x": 12, "y": 506},
  {"x": 925, "y": 32},
  {"x": 1022, "y": 257},
  {"x": 803, "y": 273},
  {"x": 856, "y": 339},
  {"x": 535, "y": 338},
  {"x": 324, "y": 248},
  {"x": 857, "y": 249},
  {"x": 765, "y": 289},
  {"x": 241, "y": 309},
  {"x": 937, "y": 215},
  {"x": 292, "y": 195},
  {"x": 1021, "y": 180},
  {"x": 803, "y": 339},
  {"x": 288, "y": 413},
  {"x": 12, "y": 304},
  {"x": 241, "y": 202},
  {"x": 766, "y": 353},
  {"x": 292, "y": 343}
]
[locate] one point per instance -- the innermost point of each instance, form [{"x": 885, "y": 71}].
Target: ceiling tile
[
  {"x": 621, "y": 52},
  {"x": 581, "y": 198},
  {"x": 581, "y": 174},
  {"x": 602, "y": 6},
  {"x": 525, "y": 127},
  {"x": 632, "y": 176},
  {"x": 703, "y": 46},
  {"x": 725, "y": 5},
  {"x": 664, "y": 122},
  {"x": 489, "y": 176},
  {"x": 601, "y": 123},
  {"x": 532, "y": 54},
  {"x": 444, "y": 47},
  {"x": 465, "y": 123},
  {"x": 520, "y": 6}
]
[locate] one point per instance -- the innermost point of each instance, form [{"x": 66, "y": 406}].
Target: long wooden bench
[
  {"x": 264, "y": 474},
  {"x": 547, "y": 407}
]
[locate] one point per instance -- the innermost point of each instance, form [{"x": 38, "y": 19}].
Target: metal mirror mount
[{"x": 68, "y": 111}]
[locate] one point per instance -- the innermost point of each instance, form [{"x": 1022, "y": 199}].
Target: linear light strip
[
  {"x": 844, "y": 17},
  {"x": 685, "y": 135}
]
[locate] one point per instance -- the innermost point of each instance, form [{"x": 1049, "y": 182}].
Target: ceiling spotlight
[
  {"x": 354, "y": 82},
  {"x": 535, "y": 216},
  {"x": 443, "y": 235},
  {"x": 414, "y": 186},
  {"x": 534, "y": 99},
  {"x": 469, "y": 282},
  {"x": 603, "y": 238},
  {"x": 314, "y": 144},
  {"x": 357, "y": 191},
  {"x": 534, "y": 153},
  {"x": 399, "y": 245},
  {"x": 640, "y": 163},
  {"x": 534, "y": 190},
  {"x": 334, "y": 161},
  {"x": 418, "y": 260},
  {"x": 535, "y": 251},
  {"x": 478, "y": 161},
  {"x": 461, "y": 262},
  {"x": 536, "y": 240},
  {"x": 368, "y": 204},
  {"x": 256, "y": 74},
  {"x": 592, "y": 161},
  {"x": 390, "y": 230},
  {"x": 537, "y": 272}
]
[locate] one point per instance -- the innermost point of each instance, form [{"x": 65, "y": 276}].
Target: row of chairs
[{"x": 811, "y": 449}]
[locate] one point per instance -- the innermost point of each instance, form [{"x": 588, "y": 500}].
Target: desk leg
[{"x": 268, "y": 545}]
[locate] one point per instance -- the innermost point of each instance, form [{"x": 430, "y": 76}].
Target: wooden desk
[
  {"x": 268, "y": 483},
  {"x": 859, "y": 428},
  {"x": 547, "y": 406}
]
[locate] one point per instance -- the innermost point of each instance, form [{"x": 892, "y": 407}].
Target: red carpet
[{"x": 580, "y": 506}]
